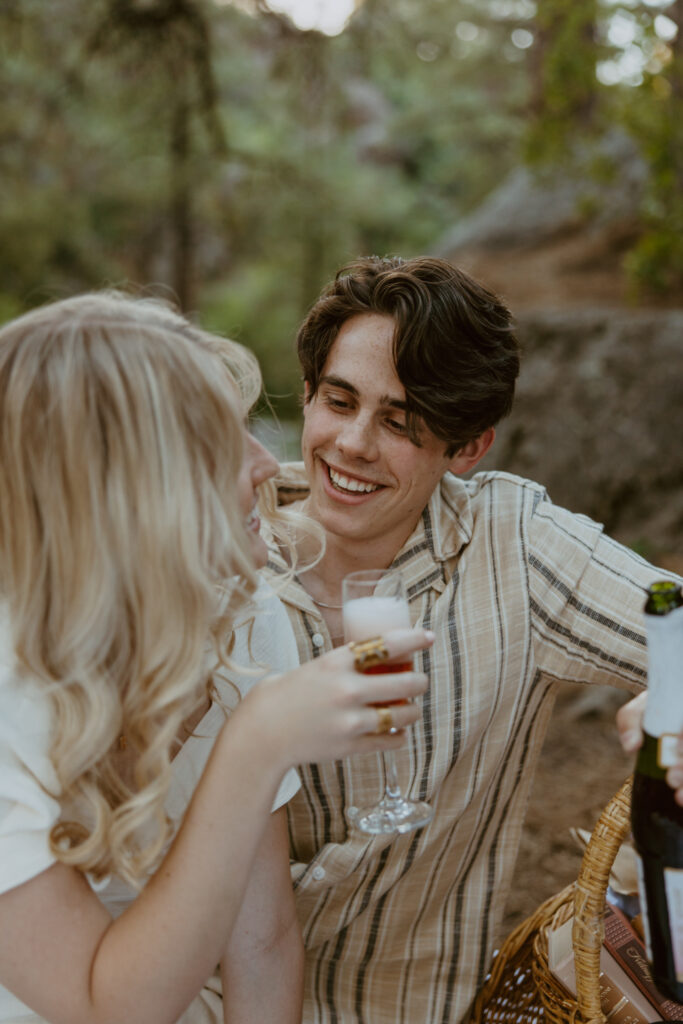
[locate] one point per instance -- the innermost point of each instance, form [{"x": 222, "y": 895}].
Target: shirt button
[
  {"x": 318, "y": 640},
  {"x": 318, "y": 873}
]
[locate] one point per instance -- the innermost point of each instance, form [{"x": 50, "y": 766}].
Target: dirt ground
[{"x": 582, "y": 765}]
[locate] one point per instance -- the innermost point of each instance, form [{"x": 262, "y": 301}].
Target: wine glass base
[{"x": 390, "y": 816}]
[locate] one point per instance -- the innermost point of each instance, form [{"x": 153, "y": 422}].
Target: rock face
[
  {"x": 599, "y": 412},
  {"x": 558, "y": 236},
  {"x": 598, "y": 419},
  {"x": 600, "y": 186}
]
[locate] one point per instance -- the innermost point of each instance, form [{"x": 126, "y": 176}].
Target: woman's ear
[{"x": 470, "y": 454}]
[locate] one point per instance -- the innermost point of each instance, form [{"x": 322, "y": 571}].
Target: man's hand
[
  {"x": 630, "y": 729},
  {"x": 630, "y": 723}
]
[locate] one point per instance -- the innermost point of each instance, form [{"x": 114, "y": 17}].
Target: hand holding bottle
[
  {"x": 656, "y": 814},
  {"x": 630, "y": 728}
]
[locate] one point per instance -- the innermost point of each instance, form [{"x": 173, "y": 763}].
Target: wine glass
[{"x": 374, "y": 602}]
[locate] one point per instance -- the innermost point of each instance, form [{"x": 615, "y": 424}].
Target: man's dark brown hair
[{"x": 455, "y": 350}]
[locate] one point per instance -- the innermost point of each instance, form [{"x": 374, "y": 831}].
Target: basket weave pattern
[{"x": 520, "y": 988}]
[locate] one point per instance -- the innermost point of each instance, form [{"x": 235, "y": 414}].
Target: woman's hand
[
  {"x": 630, "y": 728},
  {"x": 322, "y": 710}
]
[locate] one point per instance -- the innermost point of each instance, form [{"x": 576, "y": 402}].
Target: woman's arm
[
  {"x": 262, "y": 969},
  {"x": 62, "y": 954}
]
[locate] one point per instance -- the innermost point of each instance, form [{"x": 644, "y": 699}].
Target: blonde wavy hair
[{"x": 121, "y": 439}]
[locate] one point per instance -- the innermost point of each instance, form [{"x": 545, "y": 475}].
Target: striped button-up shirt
[{"x": 521, "y": 595}]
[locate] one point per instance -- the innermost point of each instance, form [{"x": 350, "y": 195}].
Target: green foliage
[
  {"x": 565, "y": 93},
  {"x": 236, "y": 162},
  {"x": 656, "y": 262},
  {"x": 570, "y": 107},
  {"x": 261, "y": 311}
]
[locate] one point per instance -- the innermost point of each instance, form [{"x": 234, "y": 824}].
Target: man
[{"x": 408, "y": 366}]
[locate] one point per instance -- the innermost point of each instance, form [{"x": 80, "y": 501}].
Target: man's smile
[
  {"x": 347, "y": 484},
  {"x": 344, "y": 482}
]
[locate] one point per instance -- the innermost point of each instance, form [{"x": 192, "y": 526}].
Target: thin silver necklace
[{"x": 321, "y": 604}]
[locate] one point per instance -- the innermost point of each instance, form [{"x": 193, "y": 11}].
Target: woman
[{"x": 128, "y": 549}]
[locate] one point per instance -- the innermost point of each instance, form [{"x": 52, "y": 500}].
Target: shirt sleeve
[
  {"x": 587, "y": 594},
  {"x": 290, "y": 785},
  {"x": 28, "y": 785}
]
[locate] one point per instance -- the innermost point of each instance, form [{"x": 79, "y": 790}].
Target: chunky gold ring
[
  {"x": 368, "y": 653},
  {"x": 385, "y": 721}
]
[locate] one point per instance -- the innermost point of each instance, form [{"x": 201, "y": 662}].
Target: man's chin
[{"x": 345, "y": 522}]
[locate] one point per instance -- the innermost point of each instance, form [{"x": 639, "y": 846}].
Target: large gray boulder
[
  {"x": 598, "y": 419},
  {"x": 599, "y": 185}
]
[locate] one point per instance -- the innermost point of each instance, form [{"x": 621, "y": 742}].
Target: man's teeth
[{"x": 347, "y": 484}]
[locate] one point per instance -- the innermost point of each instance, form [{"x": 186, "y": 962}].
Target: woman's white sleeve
[
  {"x": 267, "y": 642},
  {"x": 28, "y": 786}
]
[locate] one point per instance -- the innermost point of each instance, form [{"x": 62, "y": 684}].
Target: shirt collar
[{"x": 444, "y": 528}]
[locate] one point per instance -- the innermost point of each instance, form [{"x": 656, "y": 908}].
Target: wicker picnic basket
[{"x": 520, "y": 988}]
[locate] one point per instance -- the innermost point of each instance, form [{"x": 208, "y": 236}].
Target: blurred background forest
[
  {"x": 222, "y": 153},
  {"x": 231, "y": 155}
]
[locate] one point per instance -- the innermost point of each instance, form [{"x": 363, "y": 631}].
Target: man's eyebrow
[
  {"x": 339, "y": 382},
  {"x": 394, "y": 403}
]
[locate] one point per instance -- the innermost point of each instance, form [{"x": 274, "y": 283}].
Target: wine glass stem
[{"x": 392, "y": 790}]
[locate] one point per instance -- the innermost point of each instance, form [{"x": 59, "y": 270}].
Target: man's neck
[{"x": 343, "y": 556}]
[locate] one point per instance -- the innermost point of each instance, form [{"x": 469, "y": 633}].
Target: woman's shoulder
[{"x": 265, "y": 635}]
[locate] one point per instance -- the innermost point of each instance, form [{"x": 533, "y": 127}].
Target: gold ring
[
  {"x": 385, "y": 721},
  {"x": 368, "y": 653}
]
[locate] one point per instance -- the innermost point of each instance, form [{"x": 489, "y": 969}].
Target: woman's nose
[{"x": 263, "y": 464}]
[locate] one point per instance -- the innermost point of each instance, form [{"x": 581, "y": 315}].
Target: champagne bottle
[{"x": 656, "y": 819}]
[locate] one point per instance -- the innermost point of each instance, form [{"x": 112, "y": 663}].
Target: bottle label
[
  {"x": 673, "y": 885},
  {"x": 664, "y": 709},
  {"x": 666, "y": 750},
  {"x": 644, "y": 908}
]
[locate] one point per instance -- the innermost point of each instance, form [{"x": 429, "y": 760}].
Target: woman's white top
[{"x": 27, "y": 778}]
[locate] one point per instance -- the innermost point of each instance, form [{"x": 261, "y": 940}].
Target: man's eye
[
  {"x": 336, "y": 403},
  {"x": 400, "y": 428}
]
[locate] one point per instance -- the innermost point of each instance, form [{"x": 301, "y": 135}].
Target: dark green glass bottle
[{"x": 656, "y": 818}]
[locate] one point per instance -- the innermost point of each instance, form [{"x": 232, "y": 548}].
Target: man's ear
[{"x": 470, "y": 453}]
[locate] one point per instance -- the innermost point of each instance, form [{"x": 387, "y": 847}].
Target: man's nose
[{"x": 357, "y": 438}]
